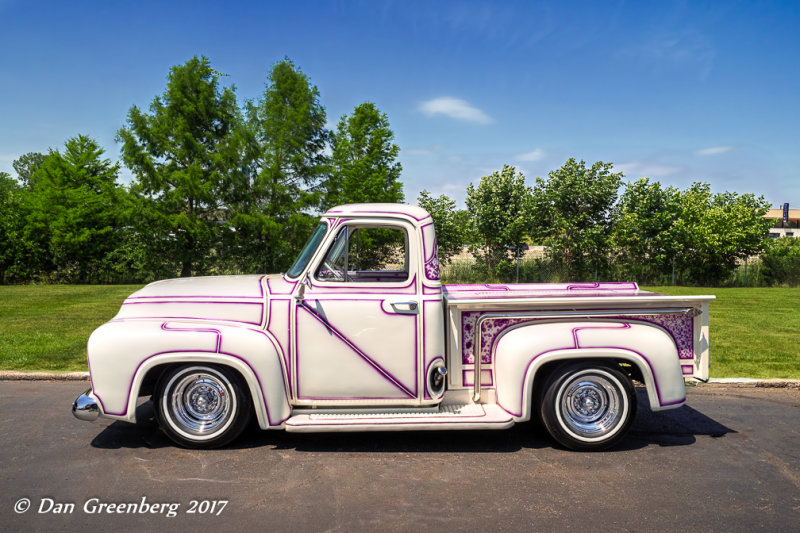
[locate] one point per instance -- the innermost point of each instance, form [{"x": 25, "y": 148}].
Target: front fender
[
  {"x": 121, "y": 352},
  {"x": 522, "y": 351}
]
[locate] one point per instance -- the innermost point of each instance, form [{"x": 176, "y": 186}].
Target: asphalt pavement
[{"x": 727, "y": 461}]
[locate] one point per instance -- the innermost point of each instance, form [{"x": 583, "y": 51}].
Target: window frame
[{"x": 398, "y": 224}]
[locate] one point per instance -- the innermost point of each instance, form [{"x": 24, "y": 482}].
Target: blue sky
[{"x": 675, "y": 91}]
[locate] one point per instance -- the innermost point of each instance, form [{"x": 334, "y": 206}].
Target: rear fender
[{"x": 522, "y": 351}]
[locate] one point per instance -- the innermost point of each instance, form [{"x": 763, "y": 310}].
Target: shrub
[{"x": 781, "y": 262}]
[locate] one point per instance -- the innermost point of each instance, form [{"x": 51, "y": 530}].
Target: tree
[
  {"x": 286, "y": 138},
  {"x": 364, "y": 165},
  {"x": 573, "y": 214},
  {"x": 500, "y": 207},
  {"x": 26, "y": 166},
  {"x": 10, "y": 224},
  {"x": 716, "y": 230},
  {"x": 185, "y": 155},
  {"x": 74, "y": 210},
  {"x": 451, "y": 225},
  {"x": 645, "y": 236}
]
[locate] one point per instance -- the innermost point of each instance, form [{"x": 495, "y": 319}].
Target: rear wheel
[
  {"x": 202, "y": 406},
  {"x": 587, "y": 406}
]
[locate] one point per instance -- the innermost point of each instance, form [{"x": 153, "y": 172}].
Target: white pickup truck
[{"x": 360, "y": 335}]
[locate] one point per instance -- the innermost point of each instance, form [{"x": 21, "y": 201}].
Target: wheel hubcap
[
  {"x": 200, "y": 403},
  {"x": 590, "y": 405},
  {"x": 586, "y": 402}
]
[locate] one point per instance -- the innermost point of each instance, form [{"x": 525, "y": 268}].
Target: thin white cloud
[
  {"x": 713, "y": 150},
  {"x": 9, "y": 157},
  {"x": 454, "y": 108},
  {"x": 450, "y": 187},
  {"x": 682, "y": 49},
  {"x": 418, "y": 151},
  {"x": 425, "y": 151},
  {"x": 534, "y": 155},
  {"x": 643, "y": 169}
]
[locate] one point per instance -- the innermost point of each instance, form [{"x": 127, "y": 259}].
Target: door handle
[{"x": 406, "y": 308}]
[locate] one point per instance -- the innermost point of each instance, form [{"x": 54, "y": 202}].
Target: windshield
[{"x": 308, "y": 251}]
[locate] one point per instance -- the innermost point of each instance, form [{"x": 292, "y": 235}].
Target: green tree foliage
[
  {"x": 377, "y": 249},
  {"x": 452, "y": 226},
  {"x": 185, "y": 155},
  {"x": 11, "y": 224},
  {"x": 137, "y": 258},
  {"x": 645, "y": 236},
  {"x": 26, "y": 166},
  {"x": 500, "y": 207},
  {"x": 286, "y": 137},
  {"x": 572, "y": 214},
  {"x": 364, "y": 166},
  {"x": 716, "y": 230},
  {"x": 74, "y": 212},
  {"x": 781, "y": 261}
]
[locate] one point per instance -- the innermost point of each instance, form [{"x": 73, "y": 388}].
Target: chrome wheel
[
  {"x": 587, "y": 406},
  {"x": 202, "y": 406},
  {"x": 591, "y": 405},
  {"x": 200, "y": 402}
]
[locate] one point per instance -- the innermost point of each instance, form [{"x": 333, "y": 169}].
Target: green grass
[
  {"x": 45, "y": 327},
  {"x": 755, "y": 332}
]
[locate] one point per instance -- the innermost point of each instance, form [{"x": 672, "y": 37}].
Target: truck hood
[{"x": 226, "y": 298}]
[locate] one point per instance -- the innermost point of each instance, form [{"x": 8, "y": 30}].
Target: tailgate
[{"x": 698, "y": 368}]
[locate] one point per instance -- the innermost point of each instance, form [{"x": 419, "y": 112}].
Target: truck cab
[{"x": 365, "y": 310}]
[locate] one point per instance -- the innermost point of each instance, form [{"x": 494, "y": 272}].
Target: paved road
[{"x": 728, "y": 461}]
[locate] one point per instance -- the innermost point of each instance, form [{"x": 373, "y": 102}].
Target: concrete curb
[
  {"x": 756, "y": 383},
  {"x": 13, "y": 375}
]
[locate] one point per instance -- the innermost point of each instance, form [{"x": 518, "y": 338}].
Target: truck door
[{"x": 356, "y": 328}]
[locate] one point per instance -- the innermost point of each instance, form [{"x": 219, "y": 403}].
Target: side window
[{"x": 366, "y": 254}]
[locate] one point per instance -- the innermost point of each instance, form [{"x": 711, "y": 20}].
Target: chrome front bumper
[{"x": 85, "y": 407}]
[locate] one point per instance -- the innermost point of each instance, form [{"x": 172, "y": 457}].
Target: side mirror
[{"x": 305, "y": 284}]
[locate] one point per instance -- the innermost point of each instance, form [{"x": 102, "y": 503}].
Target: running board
[{"x": 468, "y": 416}]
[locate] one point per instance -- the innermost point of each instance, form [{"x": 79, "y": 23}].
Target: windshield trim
[{"x": 308, "y": 252}]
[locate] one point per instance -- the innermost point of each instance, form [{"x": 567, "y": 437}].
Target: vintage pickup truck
[{"x": 360, "y": 335}]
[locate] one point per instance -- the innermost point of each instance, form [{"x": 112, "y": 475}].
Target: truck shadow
[
  {"x": 676, "y": 427},
  {"x": 673, "y": 427},
  {"x": 143, "y": 434}
]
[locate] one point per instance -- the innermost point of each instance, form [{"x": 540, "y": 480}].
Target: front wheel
[
  {"x": 201, "y": 406},
  {"x": 587, "y": 406}
]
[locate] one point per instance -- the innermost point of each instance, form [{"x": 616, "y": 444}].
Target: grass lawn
[
  {"x": 755, "y": 332},
  {"x": 45, "y": 327}
]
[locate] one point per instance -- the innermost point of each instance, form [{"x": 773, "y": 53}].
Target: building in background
[{"x": 786, "y": 222}]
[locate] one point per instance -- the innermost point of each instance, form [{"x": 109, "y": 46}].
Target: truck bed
[{"x": 685, "y": 318}]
